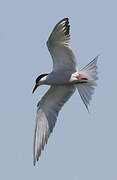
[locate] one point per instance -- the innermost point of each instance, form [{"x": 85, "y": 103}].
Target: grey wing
[
  {"x": 47, "y": 112},
  {"x": 59, "y": 48}
]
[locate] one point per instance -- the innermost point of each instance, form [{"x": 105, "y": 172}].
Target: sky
[{"x": 82, "y": 145}]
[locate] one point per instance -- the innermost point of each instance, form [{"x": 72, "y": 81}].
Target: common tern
[{"x": 63, "y": 80}]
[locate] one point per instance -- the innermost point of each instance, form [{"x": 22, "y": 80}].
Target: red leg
[{"x": 78, "y": 77}]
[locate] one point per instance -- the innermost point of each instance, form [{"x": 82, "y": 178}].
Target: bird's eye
[{"x": 39, "y": 77}]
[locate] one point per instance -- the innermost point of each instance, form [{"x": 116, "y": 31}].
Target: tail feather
[
  {"x": 87, "y": 89},
  {"x": 90, "y": 70}
]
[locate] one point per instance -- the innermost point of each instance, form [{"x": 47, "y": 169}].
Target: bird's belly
[{"x": 59, "y": 78}]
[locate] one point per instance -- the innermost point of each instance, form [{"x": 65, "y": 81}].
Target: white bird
[{"x": 64, "y": 80}]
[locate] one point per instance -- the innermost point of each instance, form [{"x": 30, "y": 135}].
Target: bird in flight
[{"x": 63, "y": 81}]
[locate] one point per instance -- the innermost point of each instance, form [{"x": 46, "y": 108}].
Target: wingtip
[
  {"x": 34, "y": 162},
  {"x": 67, "y": 25},
  {"x": 67, "y": 19},
  {"x": 64, "y": 19}
]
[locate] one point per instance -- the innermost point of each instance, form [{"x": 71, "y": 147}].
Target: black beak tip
[{"x": 34, "y": 89}]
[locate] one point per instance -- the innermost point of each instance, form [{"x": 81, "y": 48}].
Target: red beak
[{"x": 34, "y": 88}]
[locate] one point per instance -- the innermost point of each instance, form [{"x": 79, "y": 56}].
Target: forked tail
[{"x": 87, "y": 89}]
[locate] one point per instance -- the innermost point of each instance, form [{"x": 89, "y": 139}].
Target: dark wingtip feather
[{"x": 67, "y": 26}]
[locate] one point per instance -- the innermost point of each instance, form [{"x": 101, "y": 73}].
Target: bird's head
[{"x": 39, "y": 81}]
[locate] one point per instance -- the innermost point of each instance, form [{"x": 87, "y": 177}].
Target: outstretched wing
[
  {"x": 47, "y": 112},
  {"x": 58, "y": 46}
]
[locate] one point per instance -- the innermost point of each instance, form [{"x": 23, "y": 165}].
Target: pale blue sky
[{"x": 83, "y": 146}]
